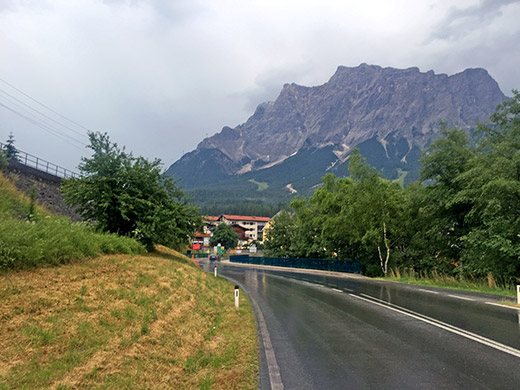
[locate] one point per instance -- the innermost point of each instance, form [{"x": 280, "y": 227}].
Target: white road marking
[
  {"x": 272, "y": 365},
  {"x": 428, "y": 291},
  {"x": 504, "y": 306},
  {"x": 449, "y": 328},
  {"x": 335, "y": 289},
  {"x": 459, "y": 297}
]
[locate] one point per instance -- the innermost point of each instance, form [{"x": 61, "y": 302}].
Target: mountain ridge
[{"x": 383, "y": 111}]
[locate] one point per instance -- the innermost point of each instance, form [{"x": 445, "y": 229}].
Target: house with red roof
[
  {"x": 253, "y": 226},
  {"x": 248, "y": 228}
]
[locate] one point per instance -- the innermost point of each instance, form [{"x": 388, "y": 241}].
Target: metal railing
[
  {"x": 319, "y": 264},
  {"x": 40, "y": 164}
]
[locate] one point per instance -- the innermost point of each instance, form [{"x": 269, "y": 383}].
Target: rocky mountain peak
[{"x": 357, "y": 104}]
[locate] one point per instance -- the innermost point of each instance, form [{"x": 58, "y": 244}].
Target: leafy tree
[
  {"x": 470, "y": 211},
  {"x": 279, "y": 235},
  {"x": 129, "y": 196},
  {"x": 324, "y": 230},
  {"x": 360, "y": 217},
  {"x": 377, "y": 210},
  {"x": 224, "y": 235},
  {"x": 492, "y": 187},
  {"x": 443, "y": 212}
]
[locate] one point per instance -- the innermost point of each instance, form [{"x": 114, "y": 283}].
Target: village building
[
  {"x": 248, "y": 228},
  {"x": 253, "y": 226},
  {"x": 200, "y": 241}
]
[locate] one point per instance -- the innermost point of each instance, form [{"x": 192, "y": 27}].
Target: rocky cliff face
[{"x": 365, "y": 105}]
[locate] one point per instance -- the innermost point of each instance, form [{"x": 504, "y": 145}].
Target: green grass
[
  {"x": 261, "y": 185},
  {"x": 31, "y": 236},
  {"x": 435, "y": 279}
]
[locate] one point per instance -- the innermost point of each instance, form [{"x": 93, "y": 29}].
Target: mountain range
[{"x": 287, "y": 145}]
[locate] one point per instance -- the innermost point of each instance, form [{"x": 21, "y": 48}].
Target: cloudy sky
[{"x": 160, "y": 75}]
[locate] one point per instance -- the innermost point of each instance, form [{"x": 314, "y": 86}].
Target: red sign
[{"x": 195, "y": 247}]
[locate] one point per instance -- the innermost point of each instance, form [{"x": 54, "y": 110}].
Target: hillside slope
[
  {"x": 30, "y": 235},
  {"x": 118, "y": 321}
]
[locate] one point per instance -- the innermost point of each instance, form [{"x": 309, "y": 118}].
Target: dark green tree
[
  {"x": 129, "y": 196},
  {"x": 469, "y": 214},
  {"x": 225, "y": 236},
  {"x": 10, "y": 149},
  {"x": 442, "y": 211},
  {"x": 492, "y": 187}
]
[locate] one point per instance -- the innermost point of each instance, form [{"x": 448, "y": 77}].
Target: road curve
[{"x": 324, "y": 332}]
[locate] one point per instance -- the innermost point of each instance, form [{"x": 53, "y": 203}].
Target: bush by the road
[{"x": 127, "y": 195}]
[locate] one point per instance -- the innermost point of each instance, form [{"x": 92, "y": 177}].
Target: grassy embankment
[
  {"x": 31, "y": 236},
  {"x": 120, "y": 321},
  {"x": 116, "y": 321},
  {"x": 435, "y": 279}
]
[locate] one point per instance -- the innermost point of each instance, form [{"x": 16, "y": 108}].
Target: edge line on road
[
  {"x": 273, "y": 369},
  {"x": 450, "y": 328},
  {"x": 460, "y": 297},
  {"x": 428, "y": 291},
  {"x": 503, "y": 306}
]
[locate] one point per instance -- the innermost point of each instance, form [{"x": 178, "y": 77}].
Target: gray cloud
[
  {"x": 462, "y": 21},
  {"x": 171, "y": 11},
  {"x": 15, "y": 5},
  {"x": 160, "y": 75}
]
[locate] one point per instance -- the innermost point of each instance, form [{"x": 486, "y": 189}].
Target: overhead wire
[
  {"x": 41, "y": 125},
  {"x": 58, "y": 128},
  {"x": 45, "y": 106},
  {"x": 37, "y": 120},
  {"x": 42, "y": 114}
]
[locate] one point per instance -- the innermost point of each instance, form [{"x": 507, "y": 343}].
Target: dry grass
[{"x": 119, "y": 322}]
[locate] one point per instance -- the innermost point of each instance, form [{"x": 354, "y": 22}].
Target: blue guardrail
[{"x": 320, "y": 264}]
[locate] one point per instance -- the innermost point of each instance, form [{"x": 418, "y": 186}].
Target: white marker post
[
  {"x": 215, "y": 269},
  {"x": 236, "y": 297}
]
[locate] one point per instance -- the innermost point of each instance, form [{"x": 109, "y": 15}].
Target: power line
[
  {"x": 21, "y": 106},
  {"x": 47, "y": 107},
  {"x": 41, "y": 121},
  {"x": 42, "y": 114},
  {"x": 43, "y": 126}
]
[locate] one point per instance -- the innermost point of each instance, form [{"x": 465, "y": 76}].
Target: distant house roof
[
  {"x": 211, "y": 218},
  {"x": 245, "y": 218}
]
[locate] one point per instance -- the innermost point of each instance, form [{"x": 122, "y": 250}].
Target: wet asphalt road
[{"x": 342, "y": 333}]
